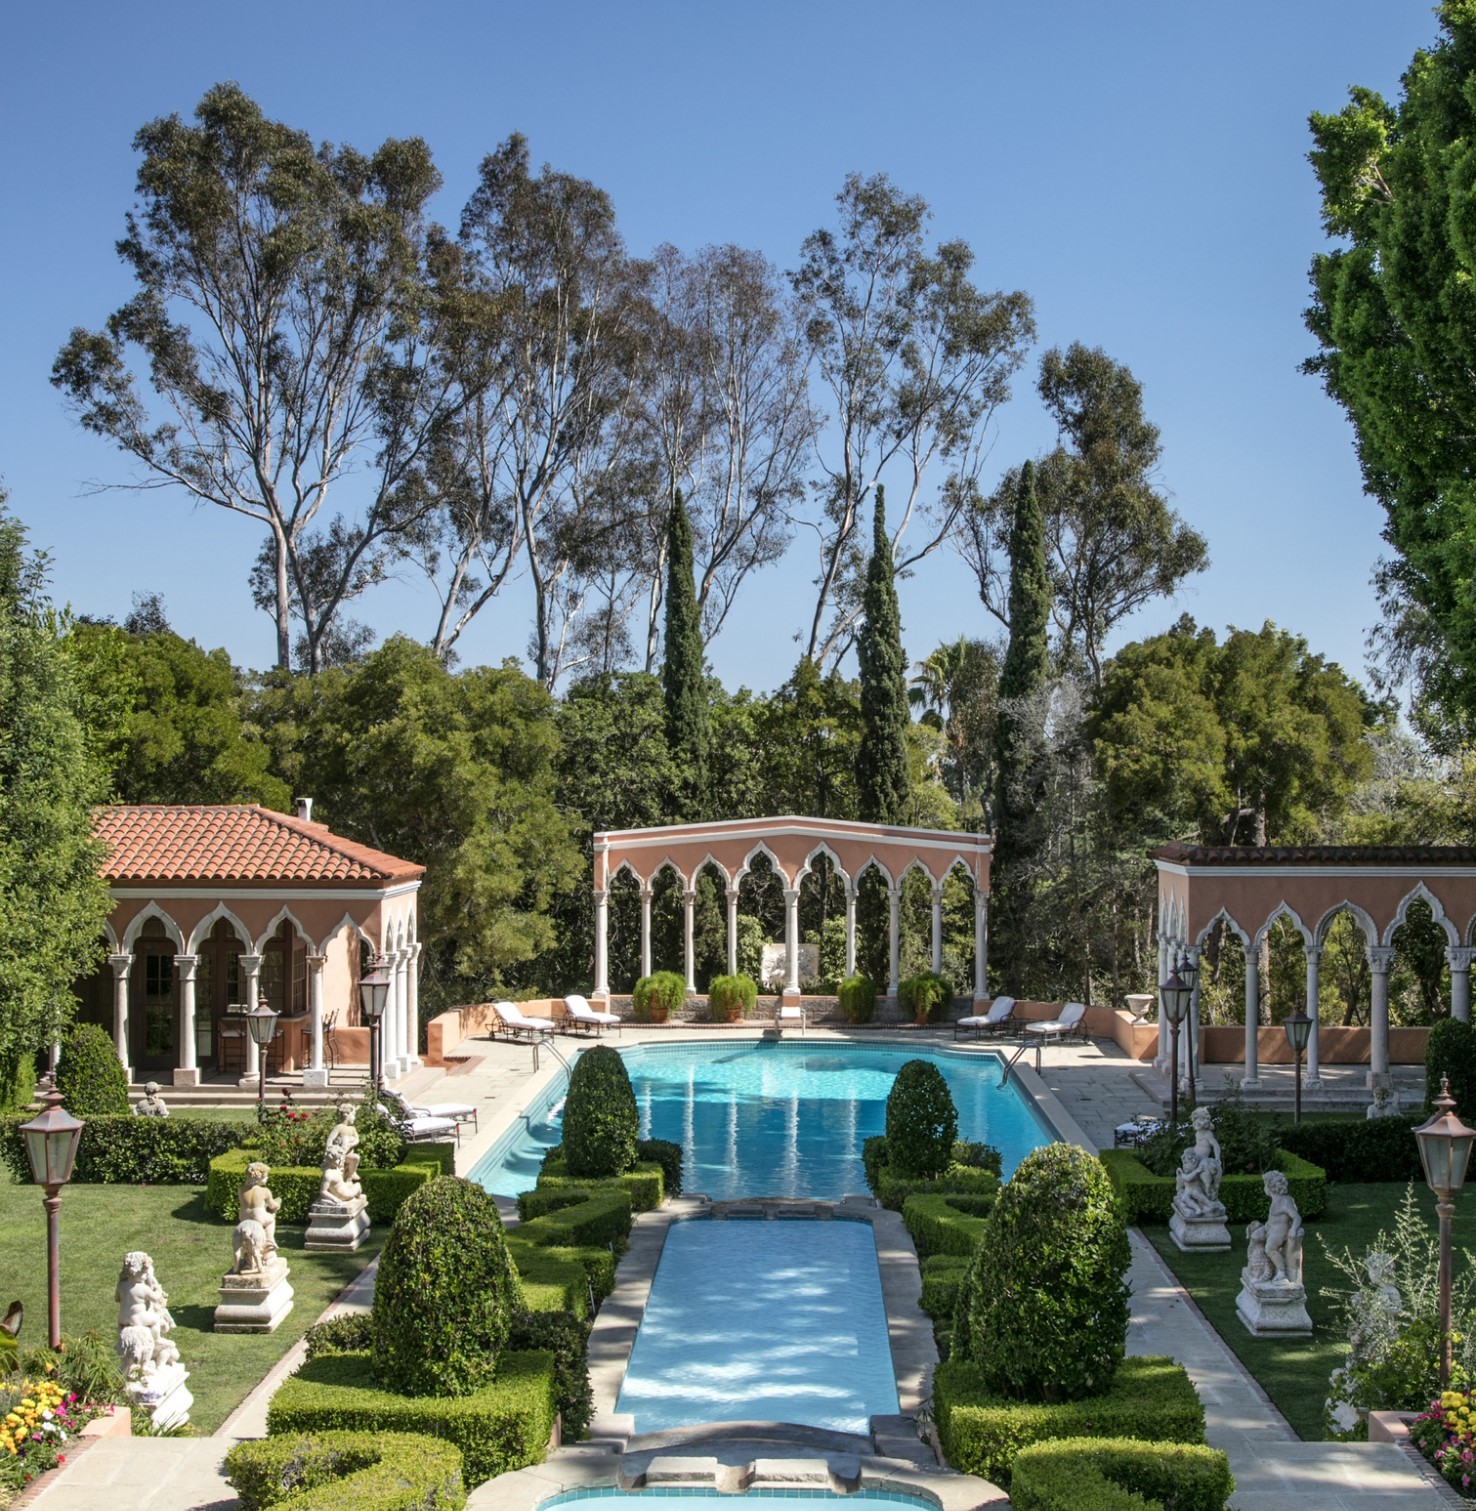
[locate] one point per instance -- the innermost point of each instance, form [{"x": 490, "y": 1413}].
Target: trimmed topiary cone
[
  {"x": 601, "y": 1124},
  {"x": 922, "y": 1121},
  {"x": 90, "y": 1075}
]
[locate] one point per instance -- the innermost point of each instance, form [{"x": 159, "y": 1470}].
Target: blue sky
[{"x": 1139, "y": 169}]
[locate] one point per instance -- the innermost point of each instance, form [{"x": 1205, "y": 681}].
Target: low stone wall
[
  {"x": 447, "y": 1030},
  {"x": 1224, "y": 1044}
]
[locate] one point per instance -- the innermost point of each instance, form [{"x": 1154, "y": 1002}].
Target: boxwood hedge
[
  {"x": 1120, "y": 1474},
  {"x": 922, "y": 1122},
  {"x": 388, "y": 1471},
  {"x": 1150, "y": 1198},
  {"x": 297, "y": 1189},
  {"x": 133, "y": 1151},
  {"x": 601, "y": 1124}
]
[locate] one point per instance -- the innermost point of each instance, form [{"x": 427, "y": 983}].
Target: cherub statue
[
  {"x": 143, "y": 1319},
  {"x": 1283, "y": 1231},
  {"x": 1257, "y": 1266},
  {"x": 152, "y": 1104},
  {"x": 1197, "y": 1181},
  {"x": 340, "y": 1162},
  {"x": 258, "y": 1206},
  {"x": 1374, "y": 1309}
]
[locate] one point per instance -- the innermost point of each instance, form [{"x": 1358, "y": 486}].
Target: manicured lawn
[
  {"x": 191, "y": 1251},
  {"x": 1294, "y": 1372},
  {"x": 214, "y": 1114}
]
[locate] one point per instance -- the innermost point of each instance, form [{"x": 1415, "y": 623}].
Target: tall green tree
[
  {"x": 53, "y": 900},
  {"x": 283, "y": 314},
  {"x": 883, "y": 776},
  {"x": 1392, "y": 315},
  {"x": 683, "y": 674}
]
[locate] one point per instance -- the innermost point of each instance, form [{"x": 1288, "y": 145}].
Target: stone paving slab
[{"x": 142, "y": 1474}]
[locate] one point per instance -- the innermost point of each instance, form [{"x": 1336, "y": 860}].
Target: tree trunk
[{"x": 283, "y": 613}]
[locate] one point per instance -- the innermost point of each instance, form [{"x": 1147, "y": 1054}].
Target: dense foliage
[
  {"x": 658, "y": 996},
  {"x": 89, "y": 1073},
  {"x": 1044, "y": 1311},
  {"x": 927, "y": 996},
  {"x": 857, "y": 996},
  {"x": 922, "y": 1122},
  {"x": 601, "y": 1124},
  {"x": 882, "y": 772},
  {"x": 683, "y": 677},
  {"x": 1451, "y": 1052},
  {"x": 446, "y": 1292},
  {"x": 730, "y": 999}
]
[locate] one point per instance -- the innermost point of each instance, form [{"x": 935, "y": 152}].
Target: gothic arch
[
  {"x": 153, "y": 910},
  {"x": 1421, "y": 893},
  {"x": 1282, "y": 910},
  {"x": 1360, "y": 917}
]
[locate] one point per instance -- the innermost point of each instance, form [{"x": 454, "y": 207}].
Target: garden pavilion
[
  {"x": 1250, "y": 887},
  {"x": 219, "y": 907},
  {"x": 792, "y": 846}
]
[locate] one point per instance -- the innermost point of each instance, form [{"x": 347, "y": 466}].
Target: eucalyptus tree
[
  {"x": 915, "y": 359},
  {"x": 283, "y": 314},
  {"x": 1112, "y": 541}
]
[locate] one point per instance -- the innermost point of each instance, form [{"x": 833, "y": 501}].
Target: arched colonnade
[
  {"x": 1249, "y": 888},
  {"x": 792, "y": 845}
]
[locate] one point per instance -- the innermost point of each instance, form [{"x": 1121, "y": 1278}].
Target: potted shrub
[
  {"x": 657, "y": 997},
  {"x": 926, "y": 996},
  {"x": 730, "y": 999},
  {"x": 858, "y": 999}
]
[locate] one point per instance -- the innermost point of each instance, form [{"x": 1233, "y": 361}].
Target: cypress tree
[
  {"x": 682, "y": 675},
  {"x": 882, "y": 767},
  {"x": 1019, "y": 730}
]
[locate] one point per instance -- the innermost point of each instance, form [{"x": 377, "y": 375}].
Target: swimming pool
[
  {"x": 760, "y": 1118},
  {"x": 684, "y": 1498},
  {"x": 763, "y": 1321}
]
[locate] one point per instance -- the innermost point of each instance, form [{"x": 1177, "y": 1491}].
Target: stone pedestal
[
  {"x": 164, "y": 1396},
  {"x": 1204, "y": 1231},
  {"x": 255, "y": 1302},
  {"x": 1272, "y": 1309},
  {"x": 336, "y": 1225}
]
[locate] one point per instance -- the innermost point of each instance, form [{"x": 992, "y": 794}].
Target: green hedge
[
  {"x": 602, "y": 1218},
  {"x": 571, "y": 1269},
  {"x": 297, "y": 1189},
  {"x": 1120, "y": 1474},
  {"x": 1151, "y": 1398},
  {"x": 645, "y": 1184},
  {"x": 503, "y": 1426},
  {"x": 601, "y": 1124},
  {"x": 1451, "y": 1051},
  {"x": 1150, "y": 1198},
  {"x": 893, "y": 1191},
  {"x": 940, "y": 1225},
  {"x": 389, "y": 1471},
  {"x": 662, "y": 1152},
  {"x": 90, "y": 1074},
  {"x": 133, "y": 1151},
  {"x": 942, "y": 1275},
  {"x": 1361, "y": 1149}
]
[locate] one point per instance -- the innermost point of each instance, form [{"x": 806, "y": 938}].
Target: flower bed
[
  {"x": 1445, "y": 1433},
  {"x": 40, "y": 1419}
]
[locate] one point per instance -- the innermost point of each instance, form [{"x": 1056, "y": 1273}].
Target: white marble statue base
[
  {"x": 336, "y": 1226},
  {"x": 1273, "y": 1309},
  {"x": 254, "y": 1303},
  {"x": 164, "y": 1396},
  {"x": 1203, "y": 1231}
]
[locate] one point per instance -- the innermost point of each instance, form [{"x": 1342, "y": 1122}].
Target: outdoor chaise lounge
[
  {"x": 457, "y": 1112},
  {"x": 511, "y": 1023},
  {"x": 1071, "y": 1024},
  {"x": 999, "y": 1017},
  {"x": 787, "y": 1017},
  {"x": 583, "y": 1019},
  {"x": 418, "y": 1129}
]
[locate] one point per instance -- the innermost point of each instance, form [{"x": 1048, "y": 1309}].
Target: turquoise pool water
[
  {"x": 750, "y": 1321},
  {"x": 778, "y": 1119}
]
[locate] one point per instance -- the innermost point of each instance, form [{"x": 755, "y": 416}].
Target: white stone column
[
  {"x": 602, "y": 946},
  {"x": 389, "y": 1022},
  {"x": 402, "y": 995},
  {"x": 850, "y": 929},
  {"x": 1165, "y": 1050},
  {"x": 121, "y": 965},
  {"x": 1459, "y": 961},
  {"x": 689, "y": 952},
  {"x": 732, "y": 931},
  {"x": 1311, "y": 1076},
  {"x": 187, "y": 1072},
  {"x": 412, "y": 1001},
  {"x": 1252, "y": 1079},
  {"x": 981, "y": 946},
  {"x": 315, "y": 1073},
  {"x": 894, "y": 940},
  {"x": 251, "y": 970},
  {"x": 1380, "y": 959},
  {"x": 1195, "y": 1066},
  {"x": 791, "y": 942},
  {"x": 645, "y": 931},
  {"x": 937, "y": 928}
]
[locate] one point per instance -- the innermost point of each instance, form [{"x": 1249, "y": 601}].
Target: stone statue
[
  {"x": 1283, "y": 1231},
  {"x": 1273, "y": 1300},
  {"x": 143, "y": 1320},
  {"x": 256, "y": 1232},
  {"x": 340, "y": 1162},
  {"x": 152, "y": 1105},
  {"x": 1198, "y": 1220},
  {"x": 1374, "y": 1310},
  {"x": 1257, "y": 1266}
]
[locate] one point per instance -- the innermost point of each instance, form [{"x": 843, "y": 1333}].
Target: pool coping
[{"x": 909, "y": 1332}]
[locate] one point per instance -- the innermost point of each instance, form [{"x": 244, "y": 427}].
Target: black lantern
[
  {"x": 1298, "y": 1028},
  {"x": 374, "y": 987},
  {"x": 1189, "y": 975},
  {"x": 1173, "y": 1002},
  {"x": 51, "y": 1149},
  {"x": 261, "y": 1024},
  {"x": 1445, "y": 1151}
]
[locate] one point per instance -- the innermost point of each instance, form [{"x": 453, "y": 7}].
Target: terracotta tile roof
[
  {"x": 1318, "y": 855},
  {"x": 242, "y": 843}
]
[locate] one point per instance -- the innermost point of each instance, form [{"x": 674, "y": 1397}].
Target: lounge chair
[
  {"x": 416, "y": 1129},
  {"x": 787, "y": 1017},
  {"x": 581, "y": 1018},
  {"x": 999, "y": 1017},
  {"x": 457, "y": 1112},
  {"x": 1071, "y": 1024},
  {"x": 511, "y": 1023}
]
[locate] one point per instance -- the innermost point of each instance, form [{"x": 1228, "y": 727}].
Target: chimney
[{"x": 305, "y": 809}]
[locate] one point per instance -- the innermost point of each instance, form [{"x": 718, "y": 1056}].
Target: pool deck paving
[{"x": 1086, "y": 1089}]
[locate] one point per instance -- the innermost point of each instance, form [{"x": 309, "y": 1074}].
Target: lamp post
[
  {"x": 1173, "y": 999},
  {"x": 261, "y": 1024},
  {"x": 1189, "y": 975},
  {"x": 51, "y": 1149},
  {"x": 1298, "y": 1028},
  {"x": 1445, "y": 1150},
  {"x": 374, "y": 987}
]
